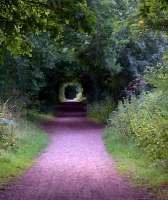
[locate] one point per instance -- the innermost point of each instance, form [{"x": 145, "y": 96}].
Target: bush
[
  {"x": 100, "y": 110},
  {"x": 145, "y": 120},
  {"x": 158, "y": 75}
]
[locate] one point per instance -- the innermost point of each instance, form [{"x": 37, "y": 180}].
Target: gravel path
[{"x": 75, "y": 166}]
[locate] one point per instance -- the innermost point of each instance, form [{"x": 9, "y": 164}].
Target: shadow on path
[{"x": 75, "y": 166}]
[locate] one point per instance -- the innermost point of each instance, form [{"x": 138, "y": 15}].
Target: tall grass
[
  {"x": 20, "y": 142},
  {"x": 31, "y": 140}
]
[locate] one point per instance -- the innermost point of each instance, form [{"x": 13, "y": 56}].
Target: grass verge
[
  {"x": 40, "y": 117},
  {"x": 133, "y": 164},
  {"x": 31, "y": 140}
]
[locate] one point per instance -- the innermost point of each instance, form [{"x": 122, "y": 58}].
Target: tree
[
  {"x": 105, "y": 60},
  {"x": 154, "y": 13},
  {"x": 20, "y": 17}
]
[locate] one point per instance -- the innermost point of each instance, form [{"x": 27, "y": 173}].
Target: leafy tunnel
[
  {"x": 95, "y": 85},
  {"x": 105, "y": 53},
  {"x": 90, "y": 43}
]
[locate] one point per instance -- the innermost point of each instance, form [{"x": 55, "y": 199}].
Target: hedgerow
[{"x": 145, "y": 120}]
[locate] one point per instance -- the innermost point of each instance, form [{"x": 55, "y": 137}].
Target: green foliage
[
  {"x": 20, "y": 140},
  {"x": 155, "y": 13},
  {"x": 30, "y": 142},
  {"x": 121, "y": 44},
  {"x": 101, "y": 110},
  {"x": 133, "y": 163},
  {"x": 144, "y": 120},
  {"x": 24, "y": 76},
  {"x": 158, "y": 75},
  {"x": 103, "y": 58},
  {"x": 137, "y": 133},
  {"x": 37, "y": 117},
  {"x": 20, "y": 17}
]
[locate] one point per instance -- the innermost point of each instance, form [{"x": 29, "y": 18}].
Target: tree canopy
[
  {"x": 155, "y": 13},
  {"x": 104, "y": 44},
  {"x": 18, "y": 18}
]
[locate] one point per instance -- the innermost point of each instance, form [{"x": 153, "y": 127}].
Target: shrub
[
  {"x": 145, "y": 120},
  {"x": 158, "y": 75},
  {"x": 100, "y": 110}
]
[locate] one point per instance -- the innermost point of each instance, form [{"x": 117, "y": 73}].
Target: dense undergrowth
[
  {"x": 101, "y": 110},
  {"x": 137, "y": 132},
  {"x": 144, "y": 120},
  {"x": 21, "y": 140}
]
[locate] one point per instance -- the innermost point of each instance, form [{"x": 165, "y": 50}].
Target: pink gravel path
[{"x": 75, "y": 166}]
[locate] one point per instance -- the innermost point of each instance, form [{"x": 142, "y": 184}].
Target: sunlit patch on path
[{"x": 75, "y": 166}]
